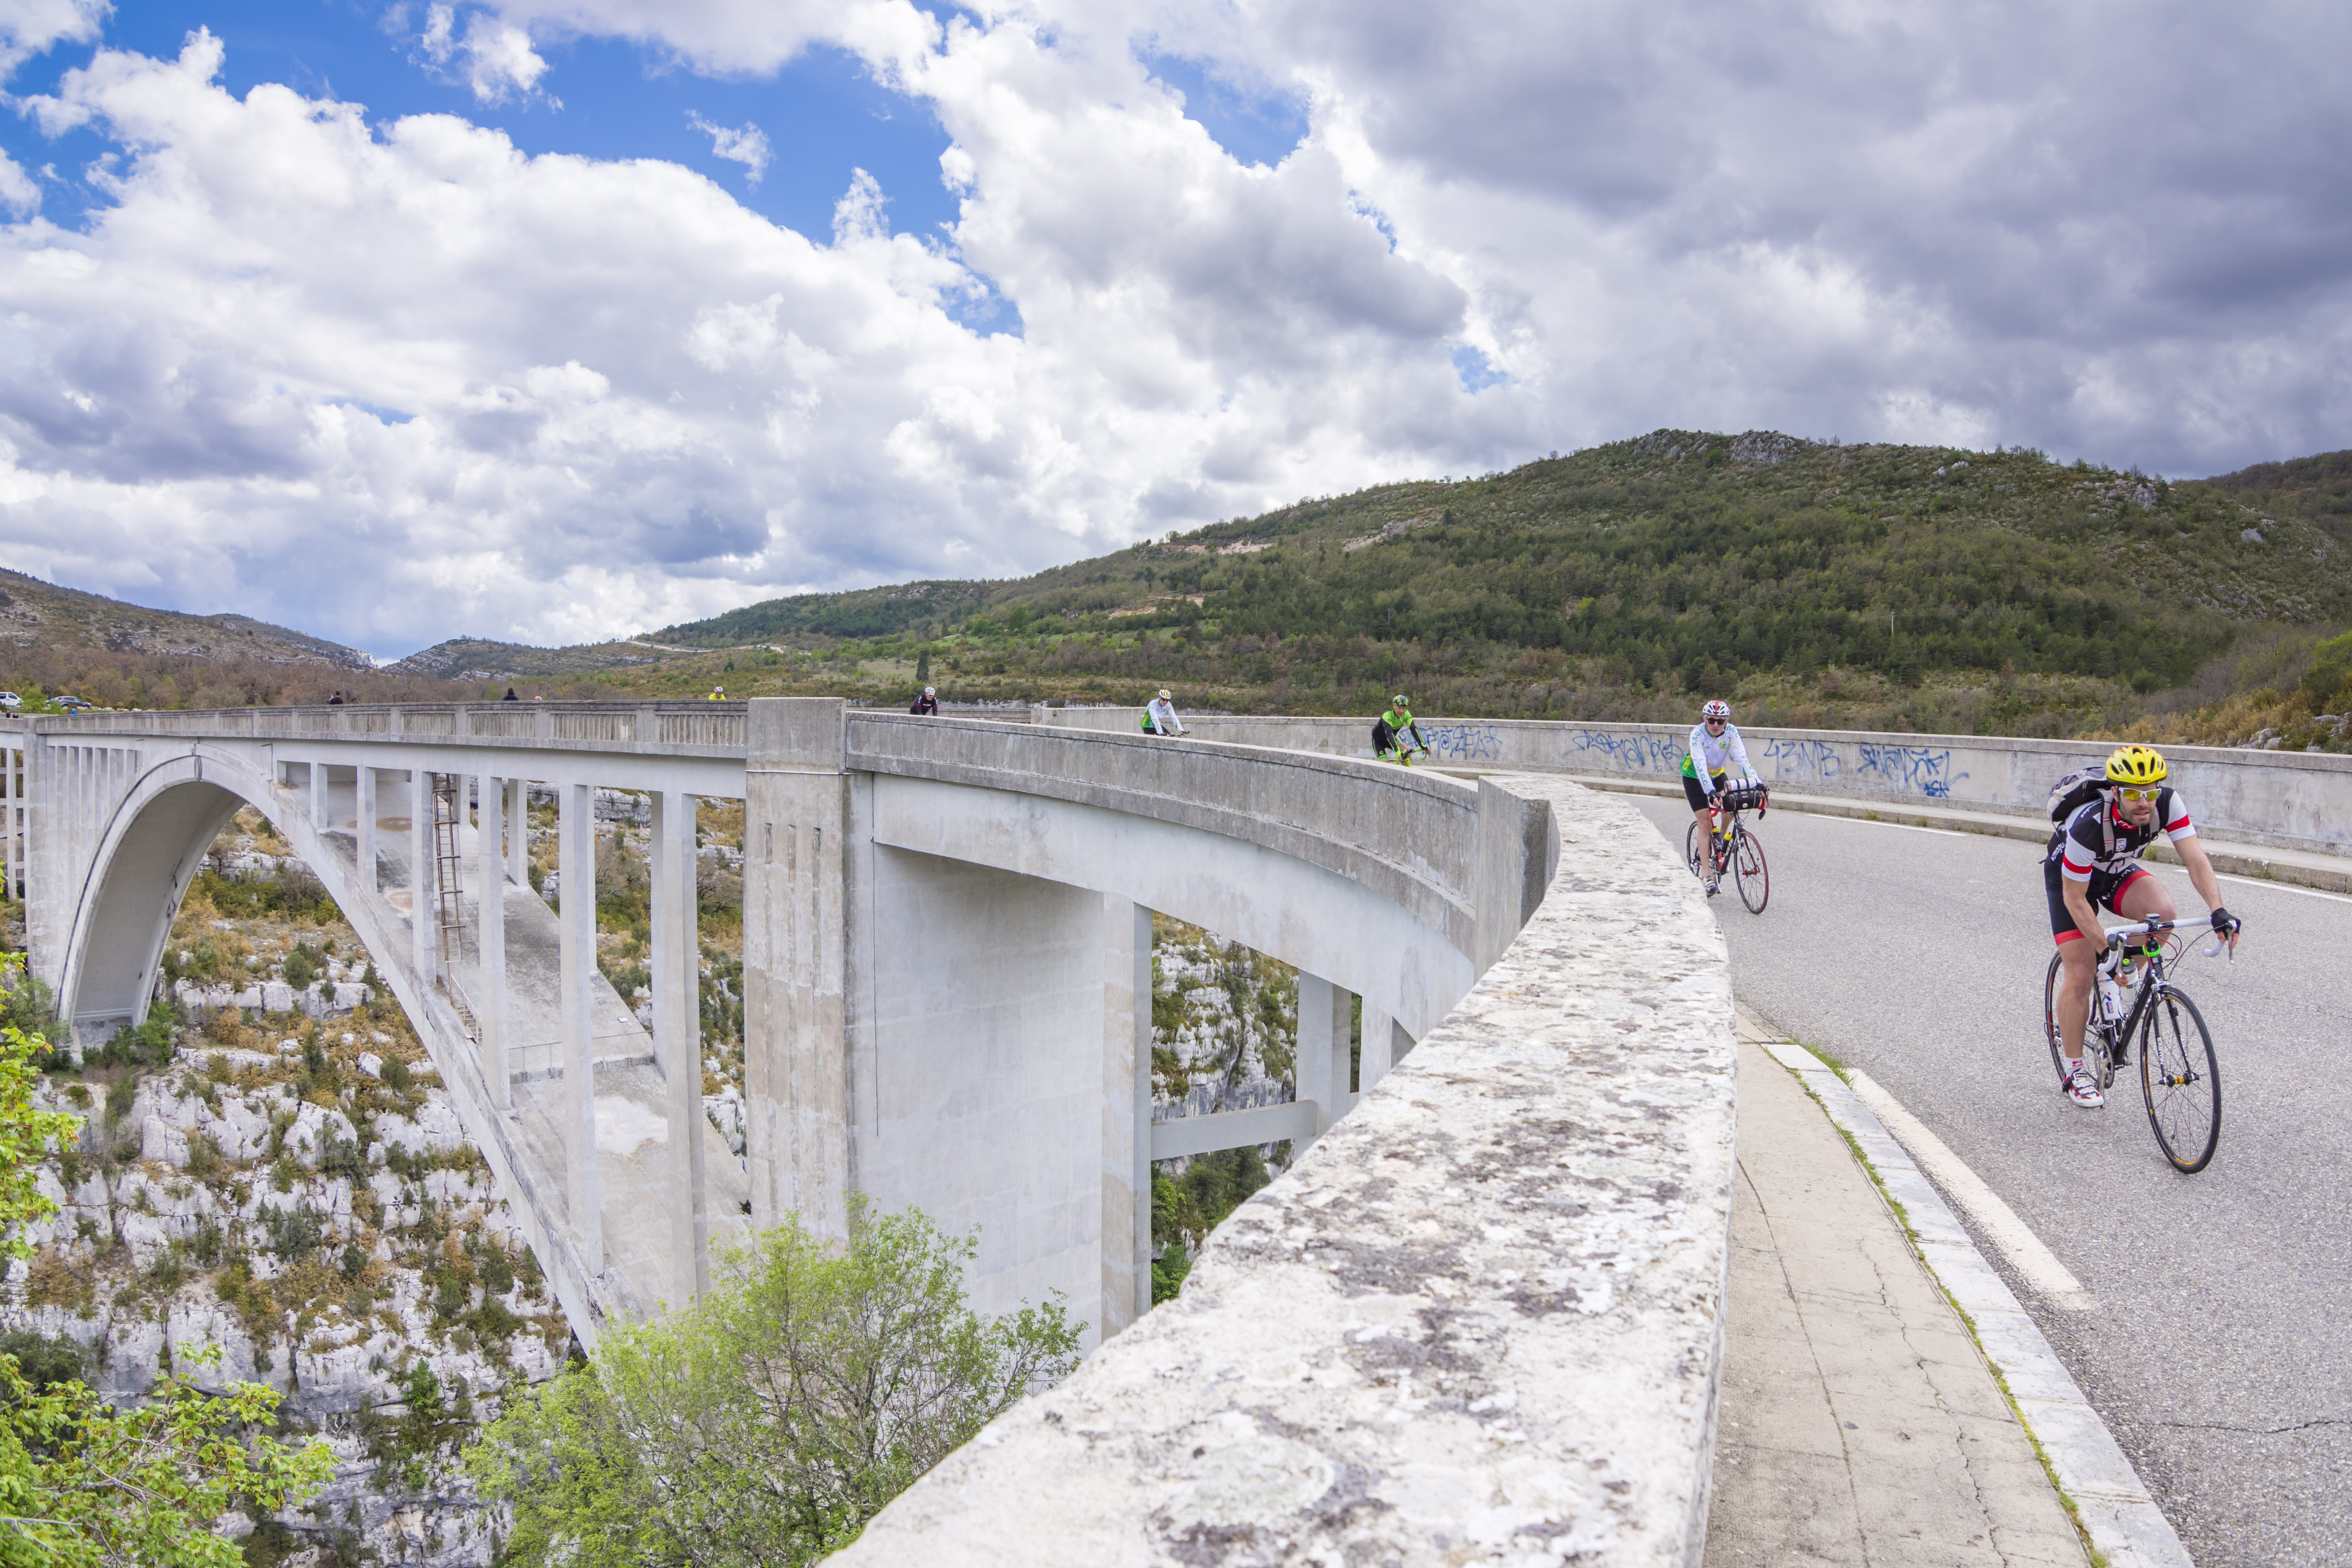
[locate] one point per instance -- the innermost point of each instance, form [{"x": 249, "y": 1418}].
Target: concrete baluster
[
  {"x": 421, "y": 910},
  {"x": 678, "y": 1042},
  {"x": 576, "y": 950},
  {"x": 363, "y": 828},
  {"x": 490, "y": 930},
  {"x": 795, "y": 1037}
]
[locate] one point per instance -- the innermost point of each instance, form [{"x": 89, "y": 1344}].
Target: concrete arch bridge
[{"x": 947, "y": 981}]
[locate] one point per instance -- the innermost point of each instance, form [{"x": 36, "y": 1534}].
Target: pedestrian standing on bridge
[
  {"x": 927, "y": 703},
  {"x": 1159, "y": 717}
]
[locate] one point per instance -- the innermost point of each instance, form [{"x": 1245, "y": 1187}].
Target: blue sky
[{"x": 823, "y": 114}]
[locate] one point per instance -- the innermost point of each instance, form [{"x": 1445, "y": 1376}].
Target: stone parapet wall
[
  {"x": 2288, "y": 800},
  {"x": 1481, "y": 1319}
]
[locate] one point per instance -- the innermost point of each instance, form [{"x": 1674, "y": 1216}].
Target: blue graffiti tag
[
  {"x": 1916, "y": 770},
  {"x": 1803, "y": 762},
  {"x": 1463, "y": 743},
  {"x": 1633, "y": 753}
]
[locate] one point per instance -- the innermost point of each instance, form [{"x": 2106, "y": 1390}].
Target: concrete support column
[
  {"x": 8, "y": 821},
  {"x": 519, "y": 833},
  {"x": 321, "y": 817},
  {"x": 1325, "y": 1027},
  {"x": 422, "y": 913},
  {"x": 1126, "y": 1114},
  {"x": 363, "y": 791},
  {"x": 678, "y": 1033},
  {"x": 795, "y": 1036},
  {"x": 490, "y": 930},
  {"x": 1385, "y": 1044},
  {"x": 576, "y": 958}
]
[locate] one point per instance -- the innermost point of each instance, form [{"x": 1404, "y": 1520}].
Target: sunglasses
[
  {"x": 1716, "y": 724},
  {"x": 2139, "y": 794}
]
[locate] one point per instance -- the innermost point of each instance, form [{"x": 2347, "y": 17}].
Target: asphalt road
[{"x": 2220, "y": 1352}]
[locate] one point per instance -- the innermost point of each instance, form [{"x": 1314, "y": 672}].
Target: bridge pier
[{"x": 576, "y": 970}]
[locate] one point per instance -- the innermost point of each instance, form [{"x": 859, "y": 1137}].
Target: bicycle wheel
[
  {"x": 1690, "y": 849},
  {"x": 1749, "y": 869},
  {"x": 2180, "y": 1081},
  {"x": 2050, "y": 1018}
]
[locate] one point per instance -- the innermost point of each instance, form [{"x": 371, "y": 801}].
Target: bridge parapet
[{"x": 1480, "y": 1321}]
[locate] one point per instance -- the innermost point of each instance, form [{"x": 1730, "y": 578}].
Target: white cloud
[
  {"x": 629, "y": 400},
  {"x": 746, "y": 144},
  {"x": 29, "y": 28},
  {"x": 494, "y": 57},
  {"x": 19, "y": 192}
]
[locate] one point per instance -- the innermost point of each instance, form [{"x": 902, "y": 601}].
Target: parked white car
[{"x": 10, "y": 700}]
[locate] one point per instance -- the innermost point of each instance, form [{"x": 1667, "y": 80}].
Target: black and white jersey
[{"x": 2082, "y": 846}]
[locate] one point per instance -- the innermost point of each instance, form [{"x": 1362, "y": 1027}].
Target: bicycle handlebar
[{"x": 2154, "y": 927}]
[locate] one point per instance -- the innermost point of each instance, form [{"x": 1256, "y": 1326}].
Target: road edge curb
[{"x": 2111, "y": 1505}]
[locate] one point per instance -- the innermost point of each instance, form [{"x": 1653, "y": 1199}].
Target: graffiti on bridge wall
[
  {"x": 1633, "y": 753},
  {"x": 1802, "y": 761},
  {"x": 1464, "y": 743},
  {"x": 1915, "y": 770}
]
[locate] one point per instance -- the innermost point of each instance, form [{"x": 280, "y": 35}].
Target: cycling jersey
[
  {"x": 2085, "y": 842},
  {"x": 1718, "y": 752}
]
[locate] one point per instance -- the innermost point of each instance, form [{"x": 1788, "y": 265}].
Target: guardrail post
[
  {"x": 678, "y": 1035},
  {"x": 490, "y": 938},
  {"x": 795, "y": 1034},
  {"x": 576, "y": 960}
]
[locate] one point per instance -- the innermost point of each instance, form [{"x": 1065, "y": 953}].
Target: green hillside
[{"x": 1929, "y": 586}]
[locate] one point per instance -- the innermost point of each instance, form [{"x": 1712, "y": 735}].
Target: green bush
[{"x": 767, "y": 1423}]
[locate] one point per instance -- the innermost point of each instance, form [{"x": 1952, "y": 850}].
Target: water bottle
[{"x": 2111, "y": 1000}]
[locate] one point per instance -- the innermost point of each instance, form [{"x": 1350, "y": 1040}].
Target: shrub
[{"x": 767, "y": 1423}]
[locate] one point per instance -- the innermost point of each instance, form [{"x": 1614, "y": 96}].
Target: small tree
[
  {"x": 768, "y": 1423},
  {"x": 83, "y": 1484}
]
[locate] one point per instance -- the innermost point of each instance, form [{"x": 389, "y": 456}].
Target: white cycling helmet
[
  {"x": 1163, "y": 694},
  {"x": 1716, "y": 710},
  {"x": 930, "y": 691}
]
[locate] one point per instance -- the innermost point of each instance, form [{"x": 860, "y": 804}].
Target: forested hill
[{"x": 1679, "y": 560}]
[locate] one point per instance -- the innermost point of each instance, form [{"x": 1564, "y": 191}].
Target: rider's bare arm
[{"x": 2086, "y": 915}]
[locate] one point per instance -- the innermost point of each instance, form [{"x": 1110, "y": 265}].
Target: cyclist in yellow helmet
[{"x": 2092, "y": 863}]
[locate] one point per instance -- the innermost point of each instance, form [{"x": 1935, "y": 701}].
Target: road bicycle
[
  {"x": 1736, "y": 849},
  {"x": 2178, "y": 1078},
  {"x": 1405, "y": 754}
]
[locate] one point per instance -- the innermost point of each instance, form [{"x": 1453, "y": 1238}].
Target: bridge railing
[
  {"x": 1411, "y": 838},
  {"x": 718, "y": 725}
]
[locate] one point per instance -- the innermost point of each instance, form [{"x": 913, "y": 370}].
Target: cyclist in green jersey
[{"x": 1395, "y": 736}]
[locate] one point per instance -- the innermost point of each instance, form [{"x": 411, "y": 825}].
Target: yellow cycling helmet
[{"x": 2136, "y": 765}]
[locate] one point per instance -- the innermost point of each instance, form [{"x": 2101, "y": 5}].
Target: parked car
[
  {"x": 73, "y": 704},
  {"x": 9, "y": 700}
]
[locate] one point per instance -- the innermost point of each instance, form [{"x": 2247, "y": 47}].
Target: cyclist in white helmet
[{"x": 1714, "y": 745}]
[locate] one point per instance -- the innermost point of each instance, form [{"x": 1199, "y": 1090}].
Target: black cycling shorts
[
  {"x": 2106, "y": 892},
  {"x": 1695, "y": 793}
]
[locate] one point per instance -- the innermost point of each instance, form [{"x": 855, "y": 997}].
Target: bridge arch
[{"x": 138, "y": 872}]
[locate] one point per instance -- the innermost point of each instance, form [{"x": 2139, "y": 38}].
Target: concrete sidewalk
[{"x": 1859, "y": 1424}]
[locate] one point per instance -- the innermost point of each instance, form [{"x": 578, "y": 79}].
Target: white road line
[
  {"x": 2279, "y": 886},
  {"x": 1994, "y": 1219}
]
